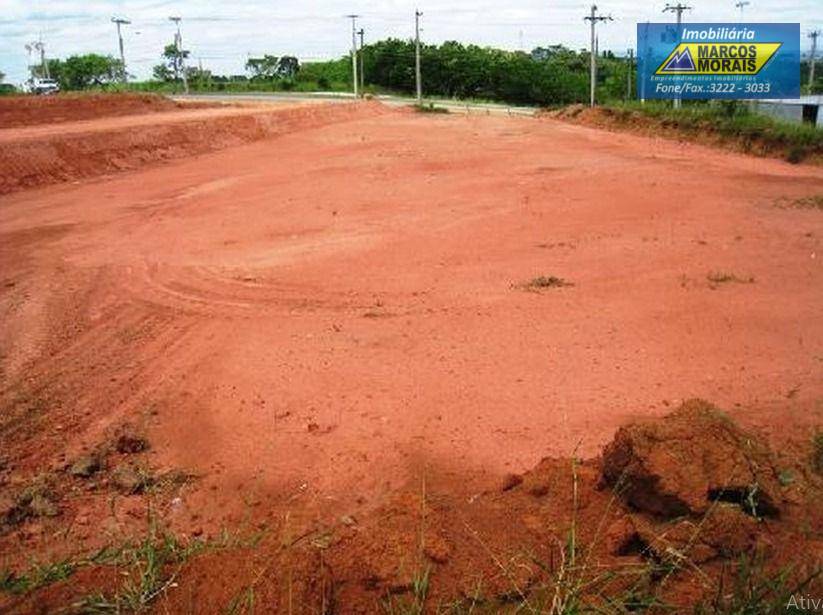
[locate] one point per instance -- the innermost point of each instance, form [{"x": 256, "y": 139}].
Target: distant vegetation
[
  {"x": 547, "y": 76},
  {"x": 5, "y": 88},
  {"x": 82, "y": 72},
  {"x": 729, "y": 122}
]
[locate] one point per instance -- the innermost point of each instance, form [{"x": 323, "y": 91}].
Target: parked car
[{"x": 42, "y": 87}]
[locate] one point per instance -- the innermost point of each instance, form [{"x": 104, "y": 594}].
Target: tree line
[
  {"x": 551, "y": 75},
  {"x": 82, "y": 72}
]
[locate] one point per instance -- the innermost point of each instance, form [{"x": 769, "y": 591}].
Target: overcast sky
[{"x": 222, "y": 34}]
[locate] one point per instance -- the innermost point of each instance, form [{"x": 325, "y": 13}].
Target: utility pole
[
  {"x": 678, "y": 9},
  {"x": 418, "y": 77},
  {"x": 119, "y": 21},
  {"x": 30, "y": 47},
  {"x": 742, "y": 5},
  {"x": 593, "y": 18},
  {"x": 178, "y": 44},
  {"x": 354, "y": 52},
  {"x": 642, "y": 82},
  {"x": 362, "y": 33},
  {"x": 40, "y": 46},
  {"x": 813, "y": 57},
  {"x": 629, "y": 75}
]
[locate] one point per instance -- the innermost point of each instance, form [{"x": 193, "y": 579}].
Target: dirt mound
[
  {"x": 553, "y": 536},
  {"x": 38, "y": 160},
  {"x": 16, "y": 111},
  {"x": 695, "y": 456}
]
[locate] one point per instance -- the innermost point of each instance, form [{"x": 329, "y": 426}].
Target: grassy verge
[
  {"x": 430, "y": 108},
  {"x": 149, "y": 567},
  {"x": 733, "y": 123}
]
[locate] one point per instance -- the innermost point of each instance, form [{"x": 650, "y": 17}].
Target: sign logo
[
  {"x": 718, "y": 58},
  {"x": 678, "y": 62}
]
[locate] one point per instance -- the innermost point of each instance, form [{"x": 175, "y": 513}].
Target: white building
[{"x": 804, "y": 109}]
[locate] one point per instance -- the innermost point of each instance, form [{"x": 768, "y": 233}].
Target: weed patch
[
  {"x": 817, "y": 454},
  {"x": 809, "y": 202},
  {"x": 430, "y": 108},
  {"x": 751, "y": 588},
  {"x": 544, "y": 283},
  {"x": 716, "y": 278}
]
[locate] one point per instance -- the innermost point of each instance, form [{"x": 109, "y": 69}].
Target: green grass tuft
[
  {"x": 430, "y": 108},
  {"x": 723, "y": 277},
  {"x": 753, "y": 590},
  {"x": 543, "y": 282},
  {"x": 817, "y": 455}
]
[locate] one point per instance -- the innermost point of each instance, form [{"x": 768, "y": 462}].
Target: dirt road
[{"x": 323, "y": 316}]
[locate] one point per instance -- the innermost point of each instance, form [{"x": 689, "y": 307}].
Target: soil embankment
[
  {"x": 19, "y": 111},
  {"x": 53, "y": 153}
]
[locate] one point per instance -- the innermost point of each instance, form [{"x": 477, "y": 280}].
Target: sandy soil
[{"x": 315, "y": 320}]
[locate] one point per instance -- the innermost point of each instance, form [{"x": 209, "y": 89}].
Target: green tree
[
  {"x": 80, "y": 72},
  {"x": 288, "y": 67},
  {"x": 263, "y": 68},
  {"x": 271, "y": 67},
  {"x": 200, "y": 78},
  {"x": 172, "y": 67}
]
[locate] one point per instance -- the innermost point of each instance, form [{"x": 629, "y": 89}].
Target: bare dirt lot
[{"x": 370, "y": 320}]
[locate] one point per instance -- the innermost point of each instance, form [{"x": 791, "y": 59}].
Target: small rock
[
  {"x": 538, "y": 489},
  {"x": 42, "y": 506},
  {"x": 510, "y": 481},
  {"x": 437, "y": 549},
  {"x": 129, "y": 443},
  {"x": 128, "y": 480},
  {"x": 621, "y": 537},
  {"x": 85, "y": 466},
  {"x": 725, "y": 532},
  {"x": 11, "y": 513},
  {"x": 730, "y": 531},
  {"x": 534, "y": 524}
]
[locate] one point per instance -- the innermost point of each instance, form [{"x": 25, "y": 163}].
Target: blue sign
[{"x": 718, "y": 60}]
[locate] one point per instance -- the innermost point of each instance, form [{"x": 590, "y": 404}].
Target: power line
[
  {"x": 813, "y": 57},
  {"x": 593, "y": 18},
  {"x": 742, "y": 5}
]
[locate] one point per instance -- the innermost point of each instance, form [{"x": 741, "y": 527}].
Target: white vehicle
[{"x": 42, "y": 86}]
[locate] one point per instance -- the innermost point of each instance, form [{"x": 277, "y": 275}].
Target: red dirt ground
[
  {"x": 34, "y": 156},
  {"x": 18, "y": 111},
  {"x": 312, "y": 322}
]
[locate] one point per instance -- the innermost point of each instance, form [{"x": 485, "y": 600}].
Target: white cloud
[{"x": 222, "y": 34}]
